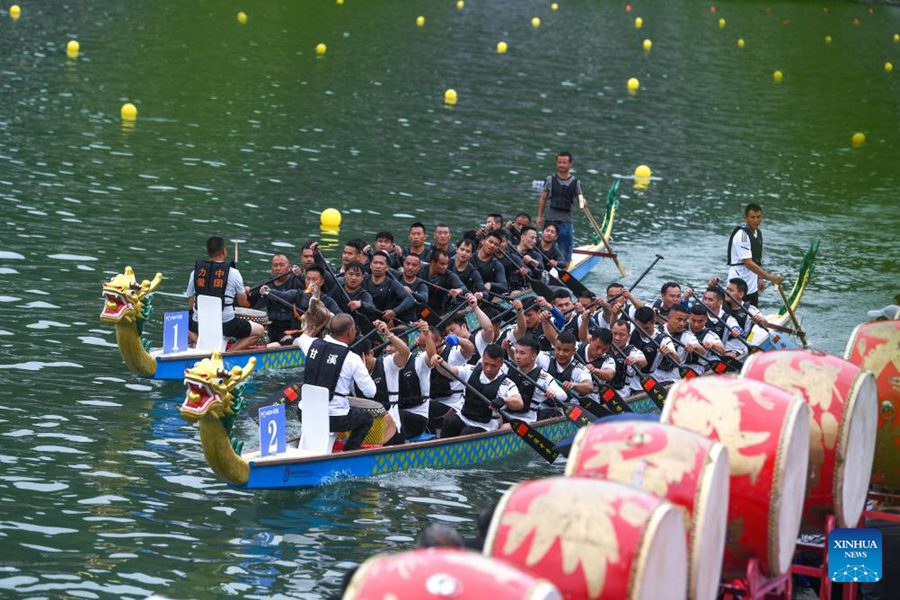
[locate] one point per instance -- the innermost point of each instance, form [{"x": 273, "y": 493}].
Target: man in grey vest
[
  {"x": 561, "y": 189},
  {"x": 745, "y": 247}
]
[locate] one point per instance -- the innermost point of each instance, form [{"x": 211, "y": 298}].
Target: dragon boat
[{"x": 129, "y": 303}]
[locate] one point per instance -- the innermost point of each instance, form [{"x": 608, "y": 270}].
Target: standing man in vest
[
  {"x": 745, "y": 248},
  {"x": 215, "y": 277},
  {"x": 561, "y": 189},
  {"x": 330, "y": 364}
]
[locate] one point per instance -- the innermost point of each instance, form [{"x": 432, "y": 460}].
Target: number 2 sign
[{"x": 272, "y": 439}]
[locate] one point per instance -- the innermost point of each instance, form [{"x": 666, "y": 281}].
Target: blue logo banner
[{"x": 854, "y": 555}]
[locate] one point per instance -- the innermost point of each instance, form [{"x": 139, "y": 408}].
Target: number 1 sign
[
  {"x": 175, "y": 332},
  {"x": 272, "y": 438}
]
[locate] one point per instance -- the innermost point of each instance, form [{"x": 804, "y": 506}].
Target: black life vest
[
  {"x": 466, "y": 275},
  {"x": 410, "y": 392},
  {"x": 642, "y": 342},
  {"x": 657, "y": 306},
  {"x": 740, "y": 314},
  {"x": 382, "y": 392},
  {"x": 474, "y": 407},
  {"x": 618, "y": 382},
  {"x": 694, "y": 358},
  {"x": 666, "y": 364},
  {"x": 440, "y": 385},
  {"x": 211, "y": 279},
  {"x": 718, "y": 326},
  {"x": 756, "y": 245},
  {"x": 565, "y": 374},
  {"x": 562, "y": 195},
  {"x": 324, "y": 363},
  {"x": 582, "y": 352},
  {"x": 526, "y": 387}
]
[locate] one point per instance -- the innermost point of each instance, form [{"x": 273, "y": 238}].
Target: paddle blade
[
  {"x": 612, "y": 399},
  {"x": 579, "y": 416},
  {"x": 535, "y": 439},
  {"x": 655, "y": 391},
  {"x": 595, "y": 408},
  {"x": 428, "y": 315}
]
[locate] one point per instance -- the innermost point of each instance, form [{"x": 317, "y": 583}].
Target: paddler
[
  {"x": 536, "y": 400},
  {"x": 707, "y": 338},
  {"x": 745, "y": 250},
  {"x": 388, "y": 295},
  {"x": 281, "y": 317},
  {"x": 558, "y": 199}
]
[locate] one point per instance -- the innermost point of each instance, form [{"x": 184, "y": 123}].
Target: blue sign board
[
  {"x": 854, "y": 555},
  {"x": 175, "y": 332},
  {"x": 272, "y": 438}
]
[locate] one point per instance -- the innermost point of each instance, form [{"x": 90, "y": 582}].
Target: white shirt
[
  {"x": 579, "y": 374},
  {"x": 673, "y": 375},
  {"x": 455, "y": 399},
  {"x": 234, "y": 287},
  {"x": 539, "y": 398},
  {"x": 352, "y": 371},
  {"x": 740, "y": 249},
  {"x": 632, "y": 382},
  {"x": 423, "y": 370},
  {"x": 507, "y": 389},
  {"x": 711, "y": 337}
]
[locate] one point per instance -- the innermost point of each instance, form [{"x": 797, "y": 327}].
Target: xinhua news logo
[{"x": 854, "y": 555}]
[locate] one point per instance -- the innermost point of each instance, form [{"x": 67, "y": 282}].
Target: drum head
[
  {"x": 710, "y": 525},
  {"x": 786, "y": 509},
  {"x": 661, "y": 569},
  {"x": 857, "y": 451}
]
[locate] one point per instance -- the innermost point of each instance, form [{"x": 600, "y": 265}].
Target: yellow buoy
[
  {"x": 450, "y": 97},
  {"x": 536, "y": 22},
  {"x": 242, "y": 18},
  {"x": 460, "y": 4},
  {"x": 638, "y": 22},
  {"x": 642, "y": 172},
  {"x": 858, "y": 139},
  {"x": 340, "y": 2},
  {"x": 647, "y": 45},
  {"x": 502, "y": 47},
  {"x": 420, "y": 21},
  {"x": 888, "y": 67},
  {"x": 72, "y": 49},
  {"x": 777, "y": 76},
  {"x": 554, "y": 7},
  {"x": 330, "y": 218},
  {"x": 721, "y": 23},
  {"x": 633, "y": 85},
  {"x": 15, "y": 12},
  {"x": 896, "y": 38},
  {"x": 321, "y": 49},
  {"x": 129, "y": 112},
  {"x": 741, "y": 43},
  {"x": 827, "y": 40}
]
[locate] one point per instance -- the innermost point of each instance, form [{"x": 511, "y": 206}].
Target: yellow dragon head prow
[
  {"x": 123, "y": 296},
  {"x": 209, "y": 387}
]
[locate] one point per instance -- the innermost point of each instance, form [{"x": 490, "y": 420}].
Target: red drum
[
  {"x": 681, "y": 466},
  {"x": 876, "y": 347},
  {"x": 593, "y": 539},
  {"x": 444, "y": 573},
  {"x": 766, "y": 432},
  {"x": 843, "y": 403}
]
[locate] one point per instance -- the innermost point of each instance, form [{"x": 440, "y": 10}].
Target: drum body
[
  {"x": 375, "y": 435},
  {"x": 876, "y": 347},
  {"x": 683, "y": 467},
  {"x": 251, "y": 314},
  {"x": 766, "y": 432},
  {"x": 593, "y": 539},
  {"x": 444, "y": 573},
  {"x": 843, "y": 404}
]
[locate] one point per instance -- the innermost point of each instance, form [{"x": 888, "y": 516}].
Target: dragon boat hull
[
  {"x": 172, "y": 366},
  {"x": 286, "y": 471}
]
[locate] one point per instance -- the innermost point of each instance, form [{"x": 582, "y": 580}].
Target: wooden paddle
[
  {"x": 605, "y": 241},
  {"x": 593, "y": 253},
  {"x": 787, "y": 304}
]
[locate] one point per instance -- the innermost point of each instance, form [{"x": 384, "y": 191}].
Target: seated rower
[
  {"x": 626, "y": 381},
  {"x": 530, "y": 320},
  {"x": 215, "y": 277},
  {"x": 281, "y": 317},
  {"x": 409, "y": 279},
  {"x": 562, "y": 367},
  {"x": 527, "y": 250},
  {"x": 388, "y": 295},
  {"x": 490, "y": 379},
  {"x": 541, "y": 401},
  {"x": 353, "y": 299},
  {"x": 743, "y": 312},
  {"x": 724, "y": 325},
  {"x": 515, "y": 227},
  {"x": 553, "y": 256},
  {"x": 644, "y": 335},
  {"x": 566, "y": 315},
  {"x": 706, "y": 338},
  {"x": 464, "y": 269},
  {"x": 385, "y": 373},
  {"x": 444, "y": 284},
  {"x": 442, "y": 241},
  {"x": 307, "y": 259},
  {"x": 414, "y": 391},
  {"x": 299, "y": 298},
  {"x": 676, "y": 328},
  {"x": 669, "y": 296},
  {"x": 416, "y": 241},
  {"x": 331, "y": 364},
  {"x": 618, "y": 298},
  {"x": 384, "y": 241},
  {"x": 493, "y": 275}
]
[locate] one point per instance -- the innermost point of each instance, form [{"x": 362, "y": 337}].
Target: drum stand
[{"x": 756, "y": 586}]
